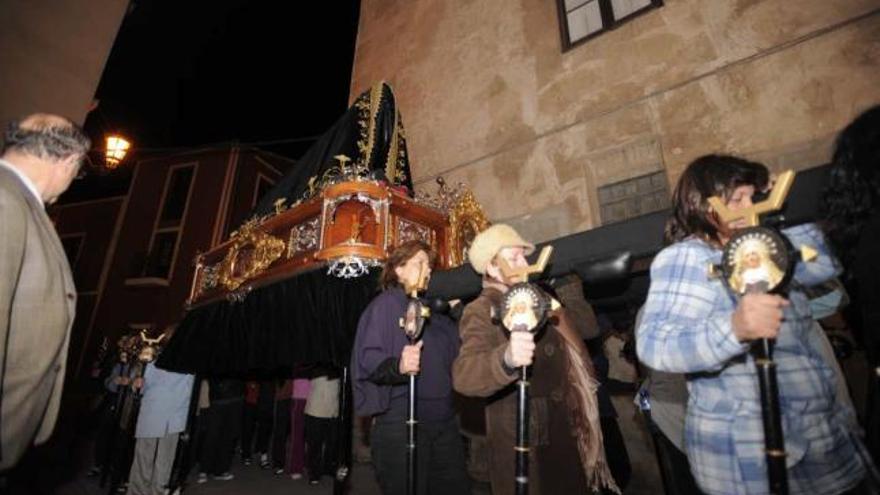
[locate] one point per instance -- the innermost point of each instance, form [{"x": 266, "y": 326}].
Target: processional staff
[
  {"x": 146, "y": 350},
  {"x": 524, "y": 308},
  {"x": 759, "y": 259},
  {"x": 412, "y": 324}
]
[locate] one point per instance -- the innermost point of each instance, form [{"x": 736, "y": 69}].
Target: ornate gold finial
[
  {"x": 516, "y": 275},
  {"x": 750, "y": 215},
  {"x": 342, "y": 159},
  {"x": 279, "y": 205},
  {"x": 809, "y": 253}
]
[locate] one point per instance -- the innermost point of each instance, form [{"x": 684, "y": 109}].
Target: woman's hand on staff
[
  {"x": 410, "y": 358},
  {"x": 520, "y": 349},
  {"x": 758, "y": 316}
]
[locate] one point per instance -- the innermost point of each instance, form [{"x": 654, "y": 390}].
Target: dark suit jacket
[{"x": 37, "y": 305}]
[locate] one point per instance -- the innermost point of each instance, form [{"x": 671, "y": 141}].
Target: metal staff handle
[
  {"x": 107, "y": 462},
  {"x": 523, "y": 309},
  {"x": 747, "y": 242},
  {"x": 127, "y": 433},
  {"x": 774, "y": 443},
  {"x": 412, "y": 324},
  {"x": 762, "y": 350},
  {"x": 412, "y": 423},
  {"x": 344, "y": 425},
  {"x": 183, "y": 455},
  {"x": 522, "y": 433}
]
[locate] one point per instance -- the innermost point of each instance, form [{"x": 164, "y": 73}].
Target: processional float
[{"x": 287, "y": 287}]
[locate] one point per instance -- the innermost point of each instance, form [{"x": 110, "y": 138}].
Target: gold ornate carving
[
  {"x": 466, "y": 220},
  {"x": 367, "y": 110},
  {"x": 252, "y": 251}
]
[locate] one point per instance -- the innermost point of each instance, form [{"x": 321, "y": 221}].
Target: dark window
[
  {"x": 580, "y": 20},
  {"x": 158, "y": 263},
  {"x": 176, "y": 194}
]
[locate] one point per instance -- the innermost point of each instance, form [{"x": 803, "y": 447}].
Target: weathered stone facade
[{"x": 489, "y": 98}]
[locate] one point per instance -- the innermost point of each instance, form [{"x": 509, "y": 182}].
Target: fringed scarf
[{"x": 581, "y": 399}]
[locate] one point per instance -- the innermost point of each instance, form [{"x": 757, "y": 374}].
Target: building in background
[
  {"x": 592, "y": 129},
  {"x": 131, "y": 252}
]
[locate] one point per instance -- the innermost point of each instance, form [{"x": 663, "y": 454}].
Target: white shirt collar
[{"x": 24, "y": 178}]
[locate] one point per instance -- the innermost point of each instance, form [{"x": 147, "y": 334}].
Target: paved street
[{"x": 59, "y": 468}]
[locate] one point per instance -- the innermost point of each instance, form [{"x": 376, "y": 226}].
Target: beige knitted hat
[{"x": 488, "y": 242}]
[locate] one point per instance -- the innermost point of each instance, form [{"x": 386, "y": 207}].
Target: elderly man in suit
[{"x": 41, "y": 155}]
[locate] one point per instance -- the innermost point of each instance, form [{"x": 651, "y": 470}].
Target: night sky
[{"x": 191, "y": 73}]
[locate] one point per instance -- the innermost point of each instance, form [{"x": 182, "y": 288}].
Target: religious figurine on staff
[
  {"x": 395, "y": 347},
  {"x": 564, "y": 452},
  {"x": 726, "y": 307}
]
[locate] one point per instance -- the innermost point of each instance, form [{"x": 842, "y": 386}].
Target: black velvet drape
[{"x": 310, "y": 318}]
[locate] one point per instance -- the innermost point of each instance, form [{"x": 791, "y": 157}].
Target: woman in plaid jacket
[{"x": 693, "y": 325}]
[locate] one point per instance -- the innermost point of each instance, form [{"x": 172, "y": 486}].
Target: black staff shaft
[
  {"x": 183, "y": 455},
  {"x": 522, "y": 433},
  {"x": 122, "y": 457},
  {"x": 774, "y": 443},
  {"x": 411, "y": 438},
  {"x": 343, "y": 427},
  {"x": 107, "y": 463}
]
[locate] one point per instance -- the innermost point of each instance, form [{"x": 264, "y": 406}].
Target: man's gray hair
[{"x": 47, "y": 139}]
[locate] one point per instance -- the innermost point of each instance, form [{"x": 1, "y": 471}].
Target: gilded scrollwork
[
  {"x": 466, "y": 220},
  {"x": 252, "y": 252},
  {"x": 444, "y": 199}
]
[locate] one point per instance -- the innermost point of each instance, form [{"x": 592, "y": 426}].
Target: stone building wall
[{"x": 489, "y": 98}]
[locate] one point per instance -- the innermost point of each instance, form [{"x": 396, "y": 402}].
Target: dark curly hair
[
  {"x": 400, "y": 255},
  {"x": 853, "y": 192},
  {"x": 707, "y": 176}
]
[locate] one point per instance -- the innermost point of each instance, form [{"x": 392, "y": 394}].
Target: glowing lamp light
[{"x": 117, "y": 147}]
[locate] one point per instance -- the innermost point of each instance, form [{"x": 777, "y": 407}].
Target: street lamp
[{"x": 117, "y": 147}]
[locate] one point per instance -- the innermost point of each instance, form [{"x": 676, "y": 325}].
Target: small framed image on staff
[{"x": 756, "y": 259}]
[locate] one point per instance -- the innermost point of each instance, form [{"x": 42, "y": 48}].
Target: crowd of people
[{"x": 282, "y": 425}]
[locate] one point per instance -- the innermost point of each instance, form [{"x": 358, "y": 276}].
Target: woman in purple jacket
[{"x": 381, "y": 361}]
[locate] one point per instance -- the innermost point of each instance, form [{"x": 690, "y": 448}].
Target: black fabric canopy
[
  {"x": 370, "y": 133},
  {"x": 311, "y": 317}
]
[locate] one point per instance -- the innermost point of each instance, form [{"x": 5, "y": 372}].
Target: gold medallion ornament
[{"x": 252, "y": 251}]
